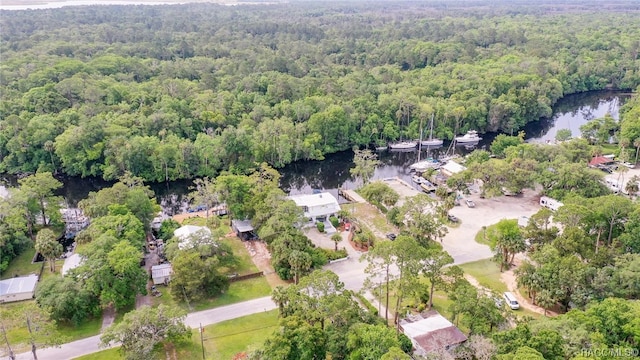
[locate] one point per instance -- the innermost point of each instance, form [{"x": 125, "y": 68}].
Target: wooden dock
[{"x": 351, "y": 195}]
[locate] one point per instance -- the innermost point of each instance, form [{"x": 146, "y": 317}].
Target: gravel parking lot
[
  {"x": 404, "y": 189},
  {"x": 460, "y": 242}
]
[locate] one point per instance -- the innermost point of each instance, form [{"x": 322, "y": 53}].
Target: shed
[
  {"x": 429, "y": 331},
  {"x": 244, "y": 229},
  {"x": 161, "y": 274},
  {"x": 451, "y": 167},
  {"x": 18, "y": 288}
]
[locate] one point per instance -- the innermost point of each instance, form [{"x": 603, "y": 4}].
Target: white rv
[{"x": 550, "y": 203}]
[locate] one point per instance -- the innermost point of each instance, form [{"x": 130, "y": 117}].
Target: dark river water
[{"x": 333, "y": 172}]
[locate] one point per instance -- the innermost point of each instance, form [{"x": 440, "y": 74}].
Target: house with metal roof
[
  {"x": 18, "y": 288},
  {"x": 429, "y": 331},
  {"x": 317, "y": 207},
  {"x": 161, "y": 274},
  {"x": 451, "y": 168},
  {"x": 187, "y": 232}
]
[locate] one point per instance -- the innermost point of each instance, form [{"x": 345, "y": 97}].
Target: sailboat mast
[
  {"x": 420, "y": 142},
  {"x": 431, "y": 134}
]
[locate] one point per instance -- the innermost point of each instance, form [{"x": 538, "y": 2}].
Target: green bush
[
  {"x": 320, "y": 226},
  {"x": 318, "y": 257},
  {"x": 405, "y": 343},
  {"x": 393, "y": 216},
  {"x": 334, "y": 221},
  {"x": 332, "y": 254},
  {"x": 367, "y": 304}
]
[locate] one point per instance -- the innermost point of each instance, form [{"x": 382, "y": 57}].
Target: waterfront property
[
  {"x": 451, "y": 168},
  {"x": 161, "y": 274},
  {"x": 317, "y": 207},
  {"x": 18, "y": 288},
  {"x": 429, "y": 331}
]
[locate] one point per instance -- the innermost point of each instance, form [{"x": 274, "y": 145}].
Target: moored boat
[
  {"x": 418, "y": 179},
  {"x": 403, "y": 145},
  {"x": 470, "y": 137},
  {"x": 428, "y": 187},
  {"x": 424, "y": 165}
]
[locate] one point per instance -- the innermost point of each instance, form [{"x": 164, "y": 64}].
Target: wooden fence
[{"x": 244, "y": 277}]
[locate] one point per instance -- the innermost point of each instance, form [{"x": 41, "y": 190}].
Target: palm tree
[
  {"x": 636, "y": 143},
  {"x": 622, "y": 170},
  {"x": 633, "y": 185},
  {"x": 336, "y": 238}
]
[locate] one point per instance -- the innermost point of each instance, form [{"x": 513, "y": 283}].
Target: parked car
[
  {"x": 391, "y": 236},
  {"x": 470, "y": 203},
  {"x": 452, "y": 218}
]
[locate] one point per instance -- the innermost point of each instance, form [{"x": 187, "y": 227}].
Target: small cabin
[{"x": 161, "y": 274}]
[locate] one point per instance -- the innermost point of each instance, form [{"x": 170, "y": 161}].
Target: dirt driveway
[{"x": 460, "y": 241}]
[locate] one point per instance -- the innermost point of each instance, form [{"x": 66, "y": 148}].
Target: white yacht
[{"x": 470, "y": 137}]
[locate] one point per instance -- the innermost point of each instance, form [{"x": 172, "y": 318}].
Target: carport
[{"x": 244, "y": 229}]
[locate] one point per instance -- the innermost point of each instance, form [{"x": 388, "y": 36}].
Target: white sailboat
[
  {"x": 403, "y": 145},
  {"x": 431, "y": 141}
]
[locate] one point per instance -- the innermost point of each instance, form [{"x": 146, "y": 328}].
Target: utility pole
[
  {"x": 33, "y": 343},
  {"x": 202, "y": 340},
  {"x": 4, "y": 332}
]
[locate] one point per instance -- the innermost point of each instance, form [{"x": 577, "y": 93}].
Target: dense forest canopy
[{"x": 183, "y": 91}]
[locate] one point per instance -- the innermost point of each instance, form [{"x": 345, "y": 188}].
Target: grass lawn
[
  {"x": 487, "y": 273},
  {"x": 370, "y": 215},
  {"x": 18, "y": 336},
  {"x": 109, "y": 354},
  {"x": 245, "y": 263},
  {"x": 238, "y": 291},
  {"x": 22, "y": 265},
  {"x": 89, "y": 328},
  {"x": 221, "y": 341},
  {"x": 482, "y": 237},
  {"x": 224, "y": 340}
]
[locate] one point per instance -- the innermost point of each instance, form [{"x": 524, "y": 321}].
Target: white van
[
  {"x": 550, "y": 203},
  {"x": 511, "y": 301}
]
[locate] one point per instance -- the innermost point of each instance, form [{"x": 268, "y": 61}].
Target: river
[{"x": 333, "y": 172}]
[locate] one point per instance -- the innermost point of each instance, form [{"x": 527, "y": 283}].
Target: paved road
[{"x": 206, "y": 317}]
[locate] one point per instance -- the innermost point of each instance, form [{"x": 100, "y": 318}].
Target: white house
[
  {"x": 317, "y": 207},
  {"x": 452, "y": 167},
  {"x": 185, "y": 234},
  {"x": 18, "y": 288},
  {"x": 161, "y": 274}
]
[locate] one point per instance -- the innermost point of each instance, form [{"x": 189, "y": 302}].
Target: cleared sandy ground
[{"x": 460, "y": 241}]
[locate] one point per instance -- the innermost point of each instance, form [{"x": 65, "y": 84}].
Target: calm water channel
[{"x": 333, "y": 172}]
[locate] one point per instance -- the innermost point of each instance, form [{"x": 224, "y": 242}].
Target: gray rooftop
[
  {"x": 242, "y": 225},
  {"x": 18, "y": 285}
]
